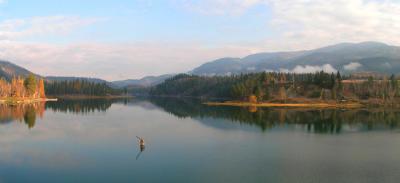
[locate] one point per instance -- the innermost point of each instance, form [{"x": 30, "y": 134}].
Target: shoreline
[
  {"x": 294, "y": 105},
  {"x": 13, "y": 101},
  {"x": 92, "y": 97}
]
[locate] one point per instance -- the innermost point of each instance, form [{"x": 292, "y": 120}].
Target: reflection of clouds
[
  {"x": 39, "y": 158},
  {"x": 68, "y": 140}
]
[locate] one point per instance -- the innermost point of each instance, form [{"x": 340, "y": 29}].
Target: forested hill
[
  {"x": 9, "y": 70},
  {"x": 81, "y": 87},
  {"x": 344, "y": 57},
  {"x": 280, "y": 86}
]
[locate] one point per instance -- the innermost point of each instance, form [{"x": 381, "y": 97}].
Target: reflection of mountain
[
  {"x": 23, "y": 112},
  {"x": 316, "y": 121}
]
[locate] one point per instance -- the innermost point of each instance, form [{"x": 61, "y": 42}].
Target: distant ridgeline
[
  {"x": 281, "y": 87},
  {"x": 80, "y": 87},
  {"x": 22, "y": 88}
]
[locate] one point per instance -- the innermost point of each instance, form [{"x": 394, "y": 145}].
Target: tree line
[
  {"x": 280, "y": 87},
  {"x": 80, "y": 87},
  {"x": 19, "y": 87}
]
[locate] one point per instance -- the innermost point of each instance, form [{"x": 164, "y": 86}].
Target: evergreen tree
[{"x": 30, "y": 84}]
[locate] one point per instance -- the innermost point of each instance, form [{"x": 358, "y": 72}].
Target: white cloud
[
  {"x": 13, "y": 29},
  {"x": 311, "y": 69},
  {"x": 113, "y": 61},
  {"x": 293, "y": 25},
  {"x": 307, "y": 24},
  {"x": 310, "y": 24},
  {"x": 386, "y": 64},
  {"x": 219, "y": 7},
  {"x": 352, "y": 66}
]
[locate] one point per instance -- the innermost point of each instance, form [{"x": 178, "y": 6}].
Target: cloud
[
  {"x": 291, "y": 25},
  {"x": 305, "y": 24},
  {"x": 311, "y": 69},
  {"x": 13, "y": 29},
  {"x": 387, "y": 65},
  {"x": 352, "y": 66},
  {"x": 113, "y": 61},
  {"x": 309, "y": 24},
  {"x": 219, "y": 7}
]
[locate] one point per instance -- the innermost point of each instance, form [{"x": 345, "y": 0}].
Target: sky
[{"x": 130, "y": 39}]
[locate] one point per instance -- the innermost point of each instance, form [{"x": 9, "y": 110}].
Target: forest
[
  {"x": 22, "y": 88},
  {"x": 80, "y": 87},
  {"x": 281, "y": 87}
]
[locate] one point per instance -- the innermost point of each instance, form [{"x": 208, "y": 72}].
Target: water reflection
[
  {"x": 328, "y": 121},
  {"x": 84, "y": 106},
  {"x": 80, "y": 106},
  {"x": 331, "y": 121},
  {"x": 26, "y": 113}
]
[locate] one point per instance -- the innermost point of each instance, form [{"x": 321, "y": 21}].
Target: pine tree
[{"x": 30, "y": 84}]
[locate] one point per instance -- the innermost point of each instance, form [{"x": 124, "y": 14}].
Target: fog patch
[
  {"x": 387, "y": 64},
  {"x": 352, "y": 66},
  {"x": 310, "y": 69}
]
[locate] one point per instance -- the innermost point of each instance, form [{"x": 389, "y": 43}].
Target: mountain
[
  {"x": 70, "y": 78},
  {"x": 345, "y": 57},
  {"x": 8, "y": 70},
  {"x": 144, "y": 82}
]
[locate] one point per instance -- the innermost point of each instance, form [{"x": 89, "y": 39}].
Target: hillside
[
  {"x": 8, "y": 70},
  {"x": 345, "y": 57},
  {"x": 143, "y": 82}
]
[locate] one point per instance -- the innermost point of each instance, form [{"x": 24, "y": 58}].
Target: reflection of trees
[
  {"x": 30, "y": 117},
  {"x": 28, "y": 113},
  {"x": 80, "y": 106},
  {"x": 22, "y": 112},
  {"x": 312, "y": 120}
]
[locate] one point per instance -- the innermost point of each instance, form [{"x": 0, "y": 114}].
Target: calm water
[{"x": 95, "y": 141}]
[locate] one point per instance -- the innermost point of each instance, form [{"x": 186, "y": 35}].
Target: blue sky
[
  {"x": 123, "y": 39},
  {"x": 140, "y": 20}
]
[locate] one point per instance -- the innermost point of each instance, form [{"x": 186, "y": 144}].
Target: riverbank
[
  {"x": 14, "y": 101},
  {"x": 92, "y": 97}
]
